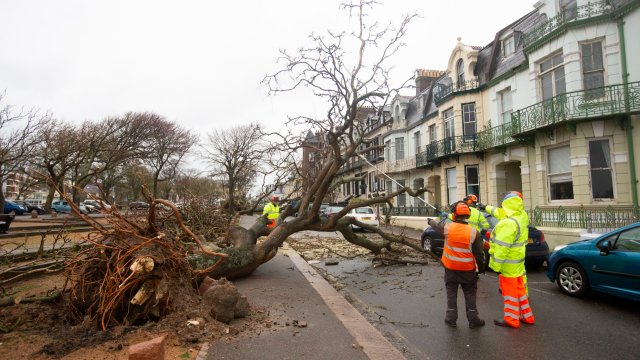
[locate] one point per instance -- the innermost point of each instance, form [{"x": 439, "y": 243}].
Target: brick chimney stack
[{"x": 424, "y": 78}]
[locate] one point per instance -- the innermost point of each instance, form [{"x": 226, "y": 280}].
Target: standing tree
[
  {"x": 108, "y": 144},
  {"x": 167, "y": 145},
  {"x": 346, "y": 84},
  {"x": 57, "y": 153},
  {"x": 236, "y": 156},
  {"x": 17, "y": 137}
]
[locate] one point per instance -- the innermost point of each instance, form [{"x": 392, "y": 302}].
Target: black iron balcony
[
  {"x": 578, "y": 105},
  {"x": 450, "y": 146},
  {"x": 560, "y": 22},
  {"x": 442, "y": 93},
  {"x": 573, "y": 106},
  {"x": 496, "y": 136}
]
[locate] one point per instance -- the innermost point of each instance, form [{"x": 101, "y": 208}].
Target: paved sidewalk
[{"x": 335, "y": 329}]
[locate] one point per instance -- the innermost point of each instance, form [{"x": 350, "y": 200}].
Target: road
[{"x": 407, "y": 304}]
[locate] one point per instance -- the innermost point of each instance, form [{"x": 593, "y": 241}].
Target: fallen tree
[{"x": 347, "y": 86}]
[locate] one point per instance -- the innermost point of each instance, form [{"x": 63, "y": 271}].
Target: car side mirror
[{"x": 605, "y": 247}]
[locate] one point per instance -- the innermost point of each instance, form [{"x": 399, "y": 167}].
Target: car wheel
[
  {"x": 427, "y": 243},
  {"x": 572, "y": 280}
]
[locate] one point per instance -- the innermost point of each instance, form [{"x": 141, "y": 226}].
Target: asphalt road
[{"x": 407, "y": 304}]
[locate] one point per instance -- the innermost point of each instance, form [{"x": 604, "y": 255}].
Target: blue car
[
  {"x": 10, "y": 206},
  {"x": 609, "y": 263}
]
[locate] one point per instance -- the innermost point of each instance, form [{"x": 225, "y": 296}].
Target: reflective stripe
[
  {"x": 527, "y": 315},
  {"x": 462, "y": 250},
  {"x": 523, "y": 298},
  {"x": 508, "y": 245},
  {"x": 511, "y": 307},
  {"x": 525, "y": 306},
  {"x": 510, "y": 298},
  {"x": 511, "y": 315},
  {"x": 455, "y": 258},
  {"x": 506, "y": 261}
]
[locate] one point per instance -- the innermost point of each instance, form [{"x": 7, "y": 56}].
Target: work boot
[
  {"x": 503, "y": 324},
  {"x": 451, "y": 323},
  {"x": 476, "y": 323}
]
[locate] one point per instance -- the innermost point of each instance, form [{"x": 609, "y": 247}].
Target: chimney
[{"x": 424, "y": 78}]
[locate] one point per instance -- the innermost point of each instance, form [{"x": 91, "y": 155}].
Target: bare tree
[
  {"x": 167, "y": 145},
  {"x": 236, "y": 156},
  {"x": 57, "y": 153},
  {"x": 346, "y": 84},
  {"x": 17, "y": 137},
  {"x": 109, "y": 143}
]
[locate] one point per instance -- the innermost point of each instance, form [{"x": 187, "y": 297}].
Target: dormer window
[
  {"x": 460, "y": 72},
  {"x": 569, "y": 9},
  {"x": 508, "y": 46}
]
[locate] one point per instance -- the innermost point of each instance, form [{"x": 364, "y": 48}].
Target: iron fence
[{"x": 593, "y": 219}]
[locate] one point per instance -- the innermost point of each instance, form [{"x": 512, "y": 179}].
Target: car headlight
[{"x": 559, "y": 247}]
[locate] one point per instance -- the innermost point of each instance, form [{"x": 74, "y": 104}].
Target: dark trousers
[{"x": 469, "y": 283}]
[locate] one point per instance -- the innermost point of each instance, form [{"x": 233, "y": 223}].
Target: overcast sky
[{"x": 200, "y": 62}]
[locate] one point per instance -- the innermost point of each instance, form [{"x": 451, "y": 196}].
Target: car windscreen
[{"x": 364, "y": 211}]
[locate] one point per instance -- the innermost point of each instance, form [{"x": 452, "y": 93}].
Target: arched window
[{"x": 460, "y": 71}]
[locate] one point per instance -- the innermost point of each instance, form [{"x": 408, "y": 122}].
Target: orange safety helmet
[
  {"x": 460, "y": 209},
  {"x": 471, "y": 199}
]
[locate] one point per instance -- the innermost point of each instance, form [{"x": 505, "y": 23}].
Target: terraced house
[{"x": 549, "y": 107}]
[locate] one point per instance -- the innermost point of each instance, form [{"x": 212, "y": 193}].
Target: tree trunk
[{"x": 247, "y": 255}]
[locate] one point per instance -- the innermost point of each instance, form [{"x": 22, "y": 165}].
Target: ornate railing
[
  {"x": 446, "y": 147},
  {"x": 596, "y": 219},
  {"x": 496, "y": 136},
  {"x": 441, "y": 93},
  {"x": 600, "y": 219},
  {"x": 589, "y": 10},
  {"x": 583, "y": 104},
  {"x": 412, "y": 211},
  {"x": 395, "y": 166}
]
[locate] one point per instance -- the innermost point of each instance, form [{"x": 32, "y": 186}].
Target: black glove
[{"x": 481, "y": 206}]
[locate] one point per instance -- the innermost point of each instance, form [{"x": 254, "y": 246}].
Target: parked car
[
  {"x": 329, "y": 210},
  {"x": 61, "y": 206},
  {"x": 39, "y": 209},
  {"x": 609, "y": 264},
  {"x": 96, "y": 205},
  {"x": 10, "y": 206},
  {"x": 537, "y": 250},
  {"x": 138, "y": 205},
  {"x": 365, "y": 215}
]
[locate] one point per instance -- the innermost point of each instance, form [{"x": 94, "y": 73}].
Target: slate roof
[{"x": 491, "y": 63}]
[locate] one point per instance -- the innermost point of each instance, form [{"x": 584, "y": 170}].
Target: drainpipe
[{"x": 629, "y": 126}]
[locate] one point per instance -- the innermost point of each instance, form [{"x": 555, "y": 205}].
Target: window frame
[
  {"x": 466, "y": 137},
  {"x": 501, "y": 109},
  {"x": 460, "y": 73},
  {"x": 590, "y": 92},
  {"x": 611, "y": 169},
  {"x": 549, "y": 175},
  {"x": 417, "y": 141},
  {"x": 399, "y": 143},
  {"x": 433, "y": 133},
  {"x": 452, "y": 191},
  {"x": 509, "y": 39},
  {"x": 449, "y": 121},
  {"x": 551, "y": 70},
  {"x": 467, "y": 184}
]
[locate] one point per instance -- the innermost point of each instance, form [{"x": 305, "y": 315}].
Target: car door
[{"x": 618, "y": 272}]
